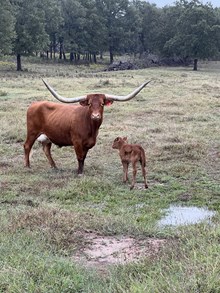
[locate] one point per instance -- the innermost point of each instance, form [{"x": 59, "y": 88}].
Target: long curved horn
[
  {"x": 129, "y": 96},
  {"x": 63, "y": 99}
]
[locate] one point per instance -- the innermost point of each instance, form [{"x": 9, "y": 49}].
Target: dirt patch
[{"x": 109, "y": 250}]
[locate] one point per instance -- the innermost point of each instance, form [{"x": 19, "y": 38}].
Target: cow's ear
[
  {"x": 84, "y": 103},
  {"x": 125, "y": 138},
  {"x": 108, "y": 102}
]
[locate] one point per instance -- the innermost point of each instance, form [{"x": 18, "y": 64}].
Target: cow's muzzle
[{"x": 96, "y": 116}]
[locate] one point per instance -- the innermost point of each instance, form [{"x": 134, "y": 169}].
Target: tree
[
  {"x": 7, "y": 31},
  {"x": 53, "y": 24},
  {"x": 166, "y": 25},
  {"x": 94, "y": 37},
  {"x": 114, "y": 13},
  {"x": 132, "y": 24},
  {"x": 74, "y": 28},
  {"x": 197, "y": 32},
  {"x": 30, "y": 28},
  {"x": 150, "y": 27},
  {"x": 187, "y": 29}
]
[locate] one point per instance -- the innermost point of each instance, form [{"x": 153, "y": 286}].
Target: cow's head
[{"x": 96, "y": 102}]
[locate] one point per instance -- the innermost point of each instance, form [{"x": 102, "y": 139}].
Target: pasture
[{"x": 49, "y": 220}]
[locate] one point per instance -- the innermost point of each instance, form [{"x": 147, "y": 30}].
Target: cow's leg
[
  {"x": 81, "y": 155},
  {"x": 81, "y": 160},
  {"x": 46, "y": 149},
  {"x": 125, "y": 171},
  {"x": 27, "y": 148},
  {"x": 134, "y": 174}
]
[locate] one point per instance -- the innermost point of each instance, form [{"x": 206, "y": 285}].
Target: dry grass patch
[
  {"x": 67, "y": 232},
  {"x": 48, "y": 217},
  {"x": 59, "y": 227}
]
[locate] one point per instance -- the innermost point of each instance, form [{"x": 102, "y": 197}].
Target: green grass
[{"x": 46, "y": 215}]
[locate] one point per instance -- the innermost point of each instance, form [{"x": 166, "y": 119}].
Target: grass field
[{"x": 49, "y": 219}]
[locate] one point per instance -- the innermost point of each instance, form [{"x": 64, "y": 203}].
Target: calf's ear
[
  {"x": 125, "y": 138},
  {"x": 108, "y": 102}
]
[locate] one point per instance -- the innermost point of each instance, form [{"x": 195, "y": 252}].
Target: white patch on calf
[{"x": 43, "y": 138}]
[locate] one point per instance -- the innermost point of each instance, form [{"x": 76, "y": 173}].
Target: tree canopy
[
  {"x": 197, "y": 32},
  {"x": 30, "y": 28},
  {"x": 188, "y": 29},
  {"x": 7, "y": 27}
]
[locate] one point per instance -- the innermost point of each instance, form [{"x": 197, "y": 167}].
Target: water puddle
[{"x": 178, "y": 216}]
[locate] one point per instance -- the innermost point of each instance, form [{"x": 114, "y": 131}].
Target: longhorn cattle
[
  {"x": 130, "y": 153},
  {"x": 68, "y": 125}
]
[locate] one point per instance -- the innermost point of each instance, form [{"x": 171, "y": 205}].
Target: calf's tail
[{"x": 143, "y": 158}]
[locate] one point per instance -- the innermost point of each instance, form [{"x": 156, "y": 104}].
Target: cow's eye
[{"x": 102, "y": 105}]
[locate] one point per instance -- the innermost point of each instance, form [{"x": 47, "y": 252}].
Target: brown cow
[
  {"x": 68, "y": 125},
  {"x": 130, "y": 153}
]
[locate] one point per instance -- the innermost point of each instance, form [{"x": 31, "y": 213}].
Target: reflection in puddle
[{"x": 177, "y": 215}]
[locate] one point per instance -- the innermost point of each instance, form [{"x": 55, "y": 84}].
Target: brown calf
[{"x": 130, "y": 153}]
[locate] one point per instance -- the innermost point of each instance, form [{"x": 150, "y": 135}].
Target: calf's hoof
[{"x": 53, "y": 166}]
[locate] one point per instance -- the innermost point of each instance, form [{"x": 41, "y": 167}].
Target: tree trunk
[
  {"x": 111, "y": 55},
  {"x": 61, "y": 51},
  {"x": 195, "y": 64},
  {"x": 19, "y": 62},
  {"x": 54, "y": 49},
  {"x": 51, "y": 51},
  {"x": 71, "y": 56}
]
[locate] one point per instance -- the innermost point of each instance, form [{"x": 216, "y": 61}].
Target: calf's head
[{"x": 119, "y": 142}]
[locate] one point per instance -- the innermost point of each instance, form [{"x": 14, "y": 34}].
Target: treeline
[{"x": 188, "y": 29}]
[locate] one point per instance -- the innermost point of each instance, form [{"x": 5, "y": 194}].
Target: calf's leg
[
  {"x": 144, "y": 175},
  {"x": 134, "y": 174},
  {"x": 125, "y": 171}
]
